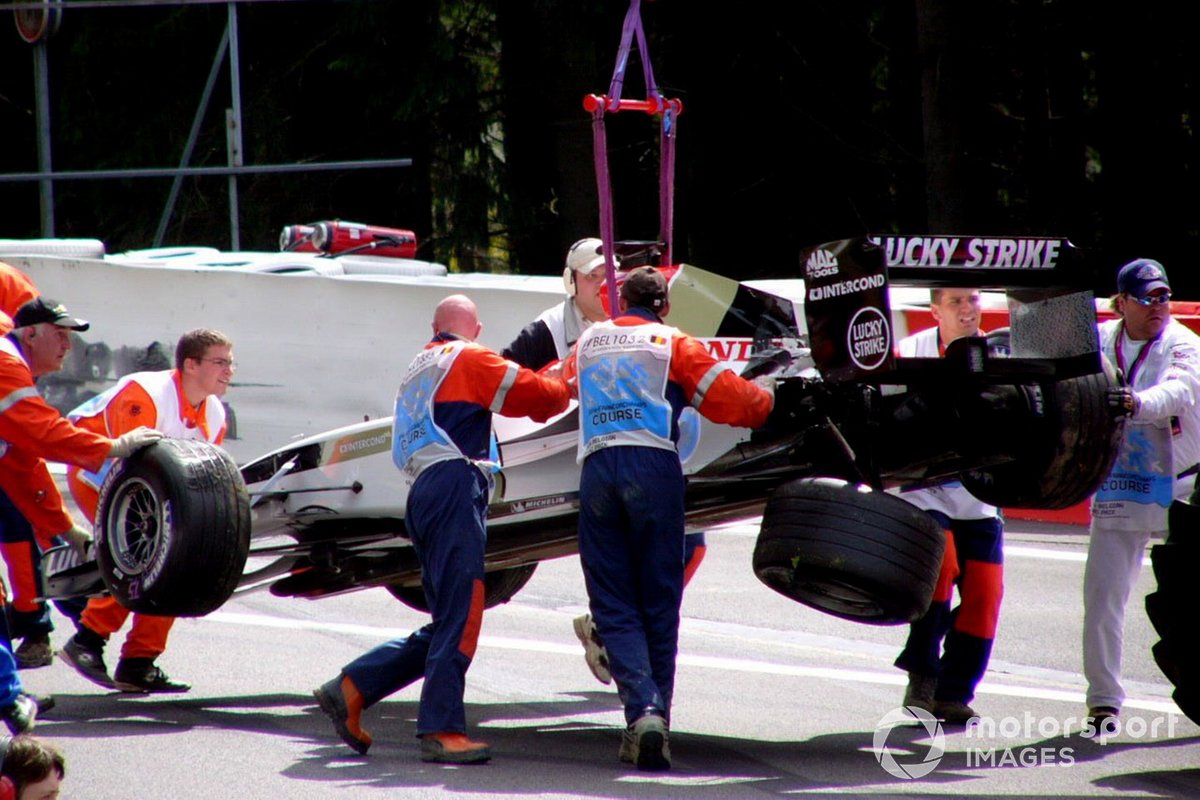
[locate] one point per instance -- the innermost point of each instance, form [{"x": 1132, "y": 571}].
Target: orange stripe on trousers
[
  {"x": 470, "y": 635},
  {"x": 981, "y": 590},
  {"x": 948, "y": 574}
]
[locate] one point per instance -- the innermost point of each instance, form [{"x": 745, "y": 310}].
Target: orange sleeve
[
  {"x": 570, "y": 370},
  {"x": 530, "y": 395},
  {"x": 535, "y": 396},
  {"x": 36, "y": 495},
  {"x": 729, "y": 398},
  {"x": 131, "y": 408},
  {"x": 16, "y": 289},
  {"x": 34, "y": 429}
]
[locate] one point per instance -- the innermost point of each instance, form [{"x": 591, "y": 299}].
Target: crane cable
[{"x": 654, "y": 104}]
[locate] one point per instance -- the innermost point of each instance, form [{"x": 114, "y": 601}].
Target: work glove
[
  {"x": 79, "y": 539},
  {"x": 766, "y": 383},
  {"x": 1123, "y": 402},
  {"x": 129, "y": 443}
]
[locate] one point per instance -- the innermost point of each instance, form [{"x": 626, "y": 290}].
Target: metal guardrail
[{"x": 50, "y": 13}]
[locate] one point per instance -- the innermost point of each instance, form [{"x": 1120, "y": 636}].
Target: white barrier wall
[{"x": 313, "y": 352}]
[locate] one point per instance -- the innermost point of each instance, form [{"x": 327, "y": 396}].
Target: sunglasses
[{"x": 1152, "y": 300}]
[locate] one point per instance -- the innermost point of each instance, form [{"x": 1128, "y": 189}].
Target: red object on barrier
[{"x": 336, "y": 237}]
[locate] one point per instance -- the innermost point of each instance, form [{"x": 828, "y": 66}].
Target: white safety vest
[
  {"x": 164, "y": 393},
  {"x": 7, "y": 346},
  {"x": 418, "y": 441},
  {"x": 951, "y": 499},
  {"x": 565, "y": 324},
  {"x": 623, "y": 373},
  {"x": 161, "y": 388}
]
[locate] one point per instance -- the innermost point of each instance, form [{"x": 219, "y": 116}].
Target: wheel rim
[
  {"x": 136, "y": 524},
  {"x": 841, "y": 598}
]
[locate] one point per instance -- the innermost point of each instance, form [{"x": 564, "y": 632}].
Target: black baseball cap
[
  {"x": 43, "y": 309},
  {"x": 645, "y": 287},
  {"x": 1142, "y": 276}
]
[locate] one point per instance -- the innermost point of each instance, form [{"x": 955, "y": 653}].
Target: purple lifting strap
[{"x": 654, "y": 103}]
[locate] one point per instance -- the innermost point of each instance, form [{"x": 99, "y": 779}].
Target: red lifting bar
[
  {"x": 654, "y": 104},
  {"x": 651, "y": 105}
]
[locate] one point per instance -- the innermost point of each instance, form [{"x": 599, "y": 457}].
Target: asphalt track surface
[{"x": 772, "y": 699}]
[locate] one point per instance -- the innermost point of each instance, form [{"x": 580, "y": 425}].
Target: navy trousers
[
  {"x": 446, "y": 517},
  {"x": 631, "y": 545}
]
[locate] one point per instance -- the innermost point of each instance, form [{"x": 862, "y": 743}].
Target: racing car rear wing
[{"x": 1051, "y": 305}]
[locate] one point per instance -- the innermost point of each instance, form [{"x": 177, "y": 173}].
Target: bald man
[{"x": 441, "y": 439}]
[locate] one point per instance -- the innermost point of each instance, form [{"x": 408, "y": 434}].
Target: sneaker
[
  {"x": 44, "y": 702},
  {"x": 453, "y": 748},
  {"x": 87, "y": 661},
  {"x": 953, "y": 712},
  {"x": 919, "y": 693},
  {"x": 141, "y": 676},
  {"x": 34, "y": 652},
  {"x": 593, "y": 649},
  {"x": 1101, "y": 722},
  {"x": 646, "y": 743},
  {"x": 342, "y": 703},
  {"x": 21, "y": 715}
]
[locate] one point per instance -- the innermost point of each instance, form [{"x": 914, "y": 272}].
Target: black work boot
[
  {"x": 85, "y": 652},
  {"x": 141, "y": 676}
]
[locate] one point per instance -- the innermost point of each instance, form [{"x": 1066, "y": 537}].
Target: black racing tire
[
  {"x": 1174, "y": 566},
  {"x": 850, "y": 551},
  {"x": 1065, "y": 455},
  {"x": 1167, "y": 612},
  {"x": 1167, "y": 661},
  {"x": 499, "y": 587},
  {"x": 1188, "y": 699},
  {"x": 173, "y": 528},
  {"x": 1172, "y": 609}
]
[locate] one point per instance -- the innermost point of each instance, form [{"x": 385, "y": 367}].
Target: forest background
[{"x": 803, "y": 122}]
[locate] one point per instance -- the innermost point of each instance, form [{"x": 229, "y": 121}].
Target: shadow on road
[{"x": 543, "y": 748}]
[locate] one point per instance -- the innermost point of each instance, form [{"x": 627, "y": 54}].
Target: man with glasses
[
  {"x": 1160, "y": 360},
  {"x": 183, "y": 403}
]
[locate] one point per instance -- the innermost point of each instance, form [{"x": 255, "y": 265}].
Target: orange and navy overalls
[
  {"x": 635, "y": 377},
  {"x": 31, "y": 506},
  {"x": 32, "y": 430},
  {"x": 441, "y": 439}
]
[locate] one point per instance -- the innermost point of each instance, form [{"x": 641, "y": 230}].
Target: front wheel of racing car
[
  {"x": 499, "y": 586},
  {"x": 1064, "y": 452},
  {"x": 173, "y": 528},
  {"x": 1174, "y": 605},
  {"x": 850, "y": 551}
]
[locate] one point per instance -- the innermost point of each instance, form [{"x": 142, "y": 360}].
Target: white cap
[{"x": 585, "y": 255}]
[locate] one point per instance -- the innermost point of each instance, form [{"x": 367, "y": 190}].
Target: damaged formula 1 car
[{"x": 1019, "y": 417}]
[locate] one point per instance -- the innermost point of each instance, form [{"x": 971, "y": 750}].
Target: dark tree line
[{"x": 803, "y": 122}]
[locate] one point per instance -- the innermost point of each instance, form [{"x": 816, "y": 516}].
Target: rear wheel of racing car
[
  {"x": 850, "y": 551},
  {"x": 499, "y": 586},
  {"x": 173, "y": 528},
  {"x": 1068, "y": 451}
]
